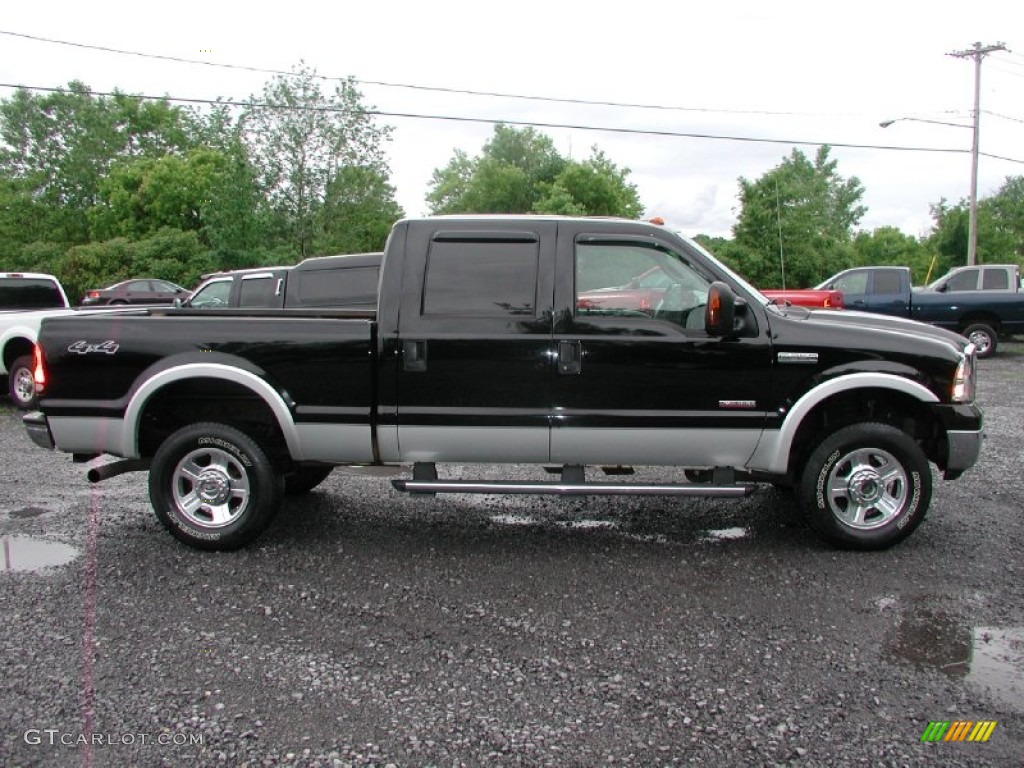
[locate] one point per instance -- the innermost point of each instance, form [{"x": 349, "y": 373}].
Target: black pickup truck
[{"x": 481, "y": 350}]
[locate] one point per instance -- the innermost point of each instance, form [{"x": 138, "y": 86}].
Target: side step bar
[
  {"x": 572, "y": 489},
  {"x": 425, "y": 481}
]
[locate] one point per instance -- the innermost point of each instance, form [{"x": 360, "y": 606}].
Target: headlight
[{"x": 964, "y": 379}]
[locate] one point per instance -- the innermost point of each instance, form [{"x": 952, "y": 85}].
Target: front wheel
[
  {"x": 213, "y": 487},
  {"x": 20, "y": 385},
  {"x": 983, "y": 337},
  {"x": 867, "y": 486}
]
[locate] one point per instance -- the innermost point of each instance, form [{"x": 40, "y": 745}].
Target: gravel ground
[{"x": 368, "y": 628}]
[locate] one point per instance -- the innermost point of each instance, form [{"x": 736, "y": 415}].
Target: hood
[{"x": 914, "y": 331}]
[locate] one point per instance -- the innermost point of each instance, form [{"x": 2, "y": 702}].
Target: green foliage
[
  {"x": 520, "y": 171},
  {"x": 796, "y": 221},
  {"x": 596, "y": 187},
  {"x": 60, "y": 146},
  {"x": 1000, "y": 223},
  {"x": 358, "y": 212},
  {"x": 299, "y": 139},
  {"x": 889, "y": 246}
]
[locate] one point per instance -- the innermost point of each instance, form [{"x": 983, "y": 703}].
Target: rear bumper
[{"x": 38, "y": 429}]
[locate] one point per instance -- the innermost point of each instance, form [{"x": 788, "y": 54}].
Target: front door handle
[
  {"x": 570, "y": 357},
  {"x": 414, "y": 355}
]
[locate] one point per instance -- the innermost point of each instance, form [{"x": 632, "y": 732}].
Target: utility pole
[{"x": 977, "y": 53}]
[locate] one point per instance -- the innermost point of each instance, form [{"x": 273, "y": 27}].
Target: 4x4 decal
[{"x": 84, "y": 347}]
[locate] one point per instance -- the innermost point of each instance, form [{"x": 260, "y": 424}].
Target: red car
[
  {"x": 815, "y": 298},
  {"x": 142, "y": 291},
  {"x": 644, "y": 292}
]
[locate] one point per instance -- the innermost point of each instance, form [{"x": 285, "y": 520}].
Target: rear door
[
  {"x": 474, "y": 355},
  {"x": 260, "y": 289}
]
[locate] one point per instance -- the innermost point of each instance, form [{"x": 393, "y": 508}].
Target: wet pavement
[{"x": 370, "y": 628}]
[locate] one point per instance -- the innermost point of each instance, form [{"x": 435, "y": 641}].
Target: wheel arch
[
  {"x": 980, "y": 317},
  {"x": 16, "y": 345},
  {"x": 843, "y": 400},
  {"x": 232, "y": 395}
]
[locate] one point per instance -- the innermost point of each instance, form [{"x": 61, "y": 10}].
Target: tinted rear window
[
  {"x": 333, "y": 287},
  {"x": 29, "y": 293},
  {"x": 484, "y": 280}
]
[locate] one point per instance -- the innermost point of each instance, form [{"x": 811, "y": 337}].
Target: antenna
[{"x": 778, "y": 218}]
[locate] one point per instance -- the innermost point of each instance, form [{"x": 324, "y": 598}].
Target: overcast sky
[{"x": 787, "y": 70}]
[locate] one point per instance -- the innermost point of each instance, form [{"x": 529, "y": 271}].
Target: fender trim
[
  {"x": 772, "y": 452},
  {"x": 139, "y": 399}
]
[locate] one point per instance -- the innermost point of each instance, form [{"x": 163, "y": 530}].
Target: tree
[
  {"x": 358, "y": 212},
  {"x": 299, "y": 138},
  {"x": 890, "y": 246},
  {"x": 596, "y": 187},
  {"x": 798, "y": 219},
  {"x": 1000, "y": 225},
  {"x": 520, "y": 171},
  {"x": 59, "y": 147}
]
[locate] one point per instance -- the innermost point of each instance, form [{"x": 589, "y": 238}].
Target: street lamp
[{"x": 972, "y": 220}]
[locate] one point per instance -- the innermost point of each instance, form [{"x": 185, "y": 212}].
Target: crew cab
[{"x": 480, "y": 351}]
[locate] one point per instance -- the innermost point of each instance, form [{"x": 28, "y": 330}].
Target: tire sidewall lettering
[
  {"x": 822, "y": 476},
  {"x": 231, "y": 448},
  {"x": 910, "y": 509}
]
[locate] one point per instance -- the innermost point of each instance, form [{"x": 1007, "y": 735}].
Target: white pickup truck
[{"x": 25, "y": 299}]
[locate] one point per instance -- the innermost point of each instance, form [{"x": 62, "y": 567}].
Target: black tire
[
  {"x": 983, "y": 337},
  {"x": 234, "y": 488},
  {"x": 302, "y": 480},
  {"x": 21, "y": 387},
  {"x": 868, "y": 486}
]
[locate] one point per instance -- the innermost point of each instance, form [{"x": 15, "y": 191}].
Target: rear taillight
[{"x": 38, "y": 369}]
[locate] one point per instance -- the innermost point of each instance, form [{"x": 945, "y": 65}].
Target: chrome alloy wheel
[
  {"x": 866, "y": 488},
  {"x": 210, "y": 487},
  {"x": 23, "y": 386},
  {"x": 981, "y": 340}
]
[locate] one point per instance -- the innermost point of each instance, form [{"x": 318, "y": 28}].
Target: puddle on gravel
[
  {"x": 25, "y": 553},
  {"x": 987, "y": 659}
]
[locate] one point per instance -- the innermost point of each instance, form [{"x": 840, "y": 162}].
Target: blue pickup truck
[{"x": 981, "y": 302}]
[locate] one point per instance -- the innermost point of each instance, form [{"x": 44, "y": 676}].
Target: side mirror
[{"x": 720, "y": 312}]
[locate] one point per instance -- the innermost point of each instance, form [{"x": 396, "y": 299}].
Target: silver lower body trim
[
  {"x": 90, "y": 434},
  {"x": 654, "y": 447},
  {"x": 335, "y": 443}
]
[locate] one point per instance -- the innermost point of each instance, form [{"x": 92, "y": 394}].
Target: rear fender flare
[{"x": 247, "y": 379}]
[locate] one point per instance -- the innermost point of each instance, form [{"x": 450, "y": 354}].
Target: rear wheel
[
  {"x": 983, "y": 337},
  {"x": 20, "y": 385},
  {"x": 213, "y": 487},
  {"x": 867, "y": 486}
]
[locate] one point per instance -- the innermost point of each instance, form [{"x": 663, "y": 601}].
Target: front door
[{"x": 638, "y": 379}]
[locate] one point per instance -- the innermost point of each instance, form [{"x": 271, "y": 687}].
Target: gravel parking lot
[{"x": 369, "y": 628}]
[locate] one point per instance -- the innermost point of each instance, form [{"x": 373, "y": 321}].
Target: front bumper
[
  {"x": 38, "y": 429},
  {"x": 963, "y": 425},
  {"x": 964, "y": 449}
]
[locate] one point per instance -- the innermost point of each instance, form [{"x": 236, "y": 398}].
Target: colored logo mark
[{"x": 958, "y": 730}]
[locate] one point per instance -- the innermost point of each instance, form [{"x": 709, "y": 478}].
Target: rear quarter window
[{"x": 29, "y": 293}]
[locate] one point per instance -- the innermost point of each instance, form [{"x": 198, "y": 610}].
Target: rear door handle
[
  {"x": 570, "y": 357},
  {"x": 414, "y": 355}
]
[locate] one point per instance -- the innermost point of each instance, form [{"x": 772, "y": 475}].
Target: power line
[
  {"x": 493, "y": 121},
  {"x": 1004, "y": 117},
  {"x": 415, "y": 87}
]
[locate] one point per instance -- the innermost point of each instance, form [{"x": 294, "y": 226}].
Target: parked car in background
[
  {"x": 985, "y": 277},
  {"x": 815, "y": 298},
  {"x": 345, "y": 280},
  {"x": 22, "y": 291},
  {"x": 140, "y": 291},
  {"x": 957, "y": 301}
]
